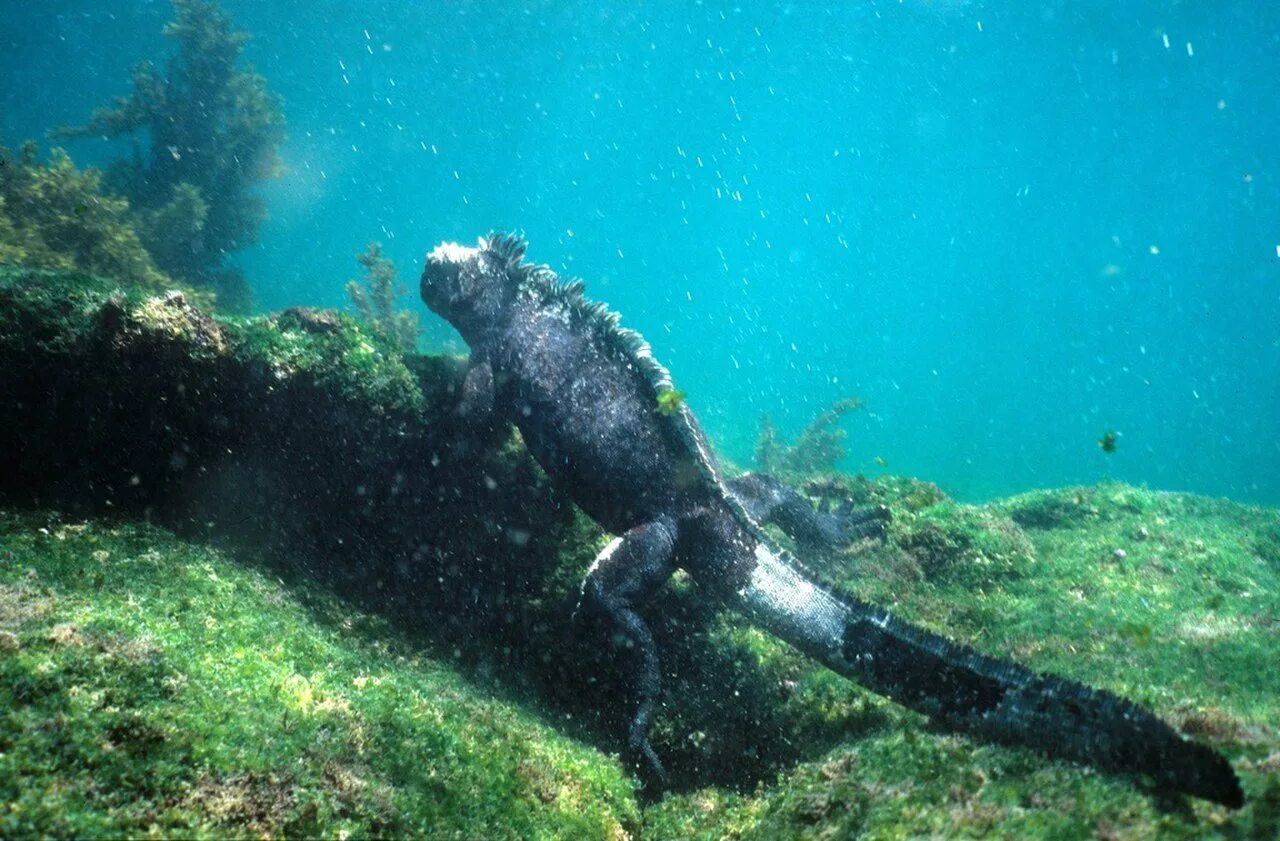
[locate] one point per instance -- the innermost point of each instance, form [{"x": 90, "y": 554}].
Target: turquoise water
[{"x": 1007, "y": 229}]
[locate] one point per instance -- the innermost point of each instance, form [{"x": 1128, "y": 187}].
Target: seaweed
[
  {"x": 214, "y": 132},
  {"x": 374, "y": 296},
  {"x": 818, "y": 448},
  {"x": 55, "y": 216}
]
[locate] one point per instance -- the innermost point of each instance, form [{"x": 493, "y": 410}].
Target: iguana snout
[
  {"x": 442, "y": 278},
  {"x": 467, "y": 286}
]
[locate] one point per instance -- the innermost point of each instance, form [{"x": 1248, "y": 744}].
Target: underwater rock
[
  {"x": 300, "y": 432},
  {"x": 234, "y": 705},
  {"x": 964, "y": 544}
]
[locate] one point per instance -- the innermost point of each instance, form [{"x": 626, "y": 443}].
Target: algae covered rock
[
  {"x": 931, "y": 537},
  {"x": 159, "y": 688},
  {"x": 963, "y": 544}
]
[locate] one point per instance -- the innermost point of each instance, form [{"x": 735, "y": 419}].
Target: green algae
[
  {"x": 153, "y": 687},
  {"x": 56, "y": 216}
]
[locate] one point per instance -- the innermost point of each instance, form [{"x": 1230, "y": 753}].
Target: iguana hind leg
[
  {"x": 624, "y": 576},
  {"x": 768, "y": 500}
]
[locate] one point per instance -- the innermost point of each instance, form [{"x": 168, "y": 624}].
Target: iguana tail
[{"x": 968, "y": 691}]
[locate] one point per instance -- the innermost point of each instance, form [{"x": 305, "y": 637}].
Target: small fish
[
  {"x": 1107, "y": 443},
  {"x": 669, "y": 401},
  {"x": 882, "y": 461}
]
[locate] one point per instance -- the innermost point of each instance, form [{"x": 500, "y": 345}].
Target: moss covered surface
[
  {"x": 154, "y": 686},
  {"x": 313, "y": 450},
  {"x": 150, "y": 686}
]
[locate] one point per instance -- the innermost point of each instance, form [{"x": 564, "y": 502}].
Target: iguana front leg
[
  {"x": 478, "y": 393},
  {"x": 625, "y": 574},
  {"x": 814, "y": 529}
]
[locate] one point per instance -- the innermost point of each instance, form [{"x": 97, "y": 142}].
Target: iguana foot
[
  {"x": 625, "y": 574},
  {"x": 847, "y": 523},
  {"x": 814, "y": 528},
  {"x": 645, "y": 763}
]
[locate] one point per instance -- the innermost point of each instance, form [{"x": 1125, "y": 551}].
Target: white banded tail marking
[{"x": 793, "y": 607}]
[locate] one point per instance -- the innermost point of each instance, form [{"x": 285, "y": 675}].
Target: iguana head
[{"x": 471, "y": 287}]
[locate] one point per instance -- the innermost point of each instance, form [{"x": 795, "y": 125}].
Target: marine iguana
[{"x": 587, "y": 397}]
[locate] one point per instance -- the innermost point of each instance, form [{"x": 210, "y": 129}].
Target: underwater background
[
  {"x": 1008, "y": 228},
  {"x": 994, "y": 287}
]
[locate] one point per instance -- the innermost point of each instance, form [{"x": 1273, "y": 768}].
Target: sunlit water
[{"x": 1007, "y": 227}]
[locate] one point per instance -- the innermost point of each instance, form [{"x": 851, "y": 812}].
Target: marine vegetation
[
  {"x": 670, "y": 400},
  {"x": 579, "y": 387},
  {"x": 213, "y": 131},
  {"x": 55, "y": 216},
  {"x": 153, "y": 687},
  {"x": 818, "y": 448},
  {"x": 311, "y": 639},
  {"x": 375, "y": 294}
]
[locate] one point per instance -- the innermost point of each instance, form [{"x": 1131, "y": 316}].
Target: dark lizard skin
[{"x": 585, "y": 395}]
